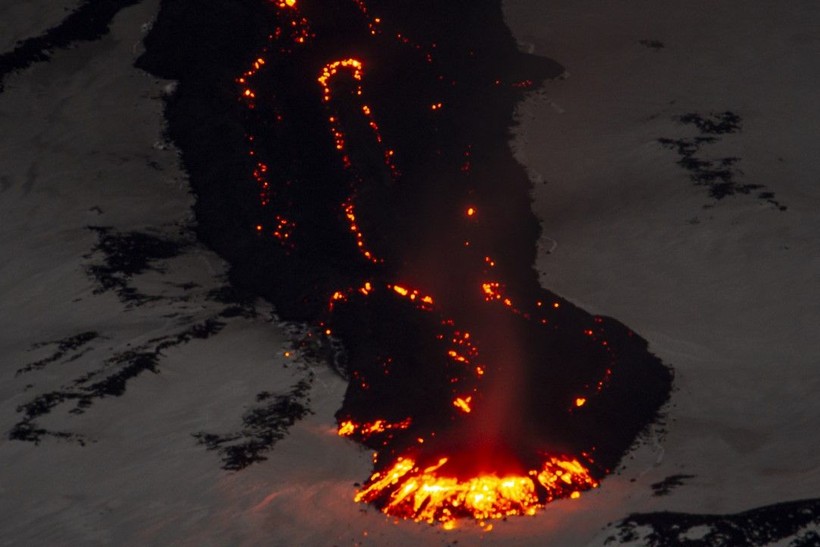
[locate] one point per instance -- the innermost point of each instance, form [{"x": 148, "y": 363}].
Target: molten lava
[
  {"x": 348, "y": 428},
  {"x": 430, "y": 495}
]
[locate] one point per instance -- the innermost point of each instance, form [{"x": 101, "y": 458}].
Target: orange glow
[
  {"x": 463, "y": 404},
  {"x": 580, "y": 401},
  {"x": 331, "y": 69},
  {"x": 492, "y": 291},
  {"x": 471, "y": 211},
  {"x": 425, "y": 301},
  {"x": 430, "y": 495},
  {"x": 372, "y": 23},
  {"x": 356, "y": 69},
  {"x": 284, "y": 229},
  {"x": 455, "y": 355},
  {"x": 348, "y": 428},
  {"x": 350, "y": 214},
  {"x": 557, "y": 474}
]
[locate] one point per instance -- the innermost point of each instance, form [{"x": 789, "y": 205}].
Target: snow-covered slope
[
  {"x": 20, "y": 20},
  {"x": 120, "y": 340},
  {"x": 726, "y": 290}
]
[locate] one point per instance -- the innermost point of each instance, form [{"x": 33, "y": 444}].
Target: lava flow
[
  {"x": 429, "y": 496},
  {"x": 410, "y": 241}
]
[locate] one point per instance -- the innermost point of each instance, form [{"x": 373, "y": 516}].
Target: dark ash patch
[
  {"x": 652, "y": 44},
  {"x": 240, "y": 303},
  {"x": 263, "y": 425},
  {"x": 718, "y": 175},
  {"x": 125, "y": 255},
  {"x": 662, "y": 488},
  {"x": 796, "y": 521},
  {"x": 29, "y": 431},
  {"x": 88, "y": 22},
  {"x": 64, "y": 346},
  {"x": 110, "y": 380},
  {"x": 713, "y": 124}
]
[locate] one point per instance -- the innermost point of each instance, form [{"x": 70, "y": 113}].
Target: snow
[
  {"x": 19, "y": 20},
  {"x": 729, "y": 296}
]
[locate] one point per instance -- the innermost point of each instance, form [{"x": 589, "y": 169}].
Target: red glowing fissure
[{"x": 406, "y": 488}]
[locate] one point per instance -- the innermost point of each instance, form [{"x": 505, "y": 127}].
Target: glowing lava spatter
[
  {"x": 349, "y": 208},
  {"x": 280, "y": 227},
  {"x": 349, "y": 428},
  {"x": 356, "y": 69}
]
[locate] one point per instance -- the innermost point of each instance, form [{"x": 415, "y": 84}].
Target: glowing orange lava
[
  {"x": 424, "y": 301},
  {"x": 429, "y": 495},
  {"x": 463, "y": 404},
  {"x": 356, "y": 69},
  {"x": 350, "y": 213},
  {"x": 348, "y": 428}
]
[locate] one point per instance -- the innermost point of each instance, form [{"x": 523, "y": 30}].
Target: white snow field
[{"x": 728, "y": 295}]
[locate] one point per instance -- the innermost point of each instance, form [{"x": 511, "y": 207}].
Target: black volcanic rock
[{"x": 423, "y": 131}]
